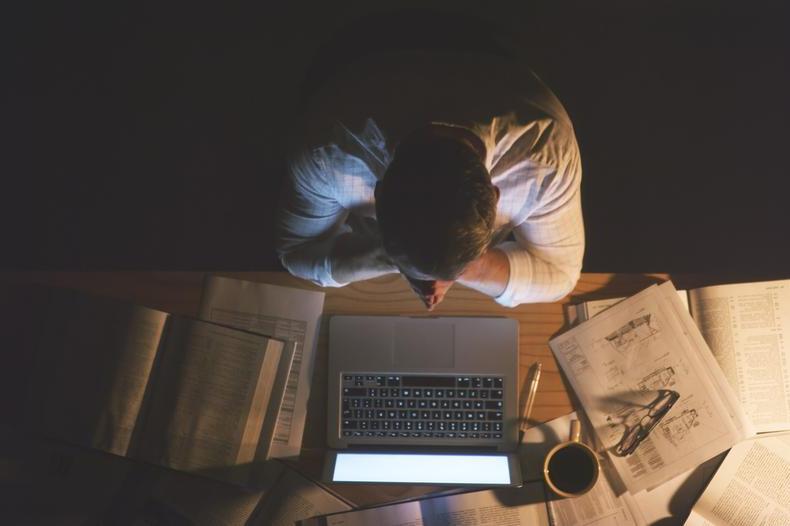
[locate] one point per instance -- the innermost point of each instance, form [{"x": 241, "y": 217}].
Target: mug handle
[{"x": 576, "y": 431}]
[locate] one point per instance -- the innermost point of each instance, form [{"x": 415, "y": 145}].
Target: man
[{"x": 442, "y": 166}]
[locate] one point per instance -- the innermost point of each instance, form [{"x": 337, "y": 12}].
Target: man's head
[{"x": 436, "y": 206}]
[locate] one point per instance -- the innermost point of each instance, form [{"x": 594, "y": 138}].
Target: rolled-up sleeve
[
  {"x": 546, "y": 257},
  {"x": 309, "y": 220}
]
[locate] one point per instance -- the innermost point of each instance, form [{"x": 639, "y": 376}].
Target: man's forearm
[
  {"x": 356, "y": 257},
  {"x": 488, "y": 274}
]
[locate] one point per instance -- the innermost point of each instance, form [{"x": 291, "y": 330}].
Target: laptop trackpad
[{"x": 419, "y": 344}]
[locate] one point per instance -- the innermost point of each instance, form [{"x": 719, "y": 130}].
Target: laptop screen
[{"x": 425, "y": 468}]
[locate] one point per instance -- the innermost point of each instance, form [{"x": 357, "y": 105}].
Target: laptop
[{"x": 423, "y": 401}]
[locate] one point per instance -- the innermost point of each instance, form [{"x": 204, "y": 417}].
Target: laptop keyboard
[{"x": 418, "y": 406}]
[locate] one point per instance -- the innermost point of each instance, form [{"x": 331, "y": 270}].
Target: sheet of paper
[
  {"x": 523, "y": 506},
  {"x": 294, "y": 498},
  {"x": 748, "y": 329},
  {"x": 752, "y": 486},
  {"x": 200, "y": 501},
  {"x": 588, "y": 309},
  {"x": 600, "y": 507},
  {"x": 280, "y": 312},
  {"x": 94, "y": 360},
  {"x": 623, "y": 360},
  {"x": 207, "y": 406}
]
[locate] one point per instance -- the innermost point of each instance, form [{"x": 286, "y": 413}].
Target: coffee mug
[{"x": 571, "y": 468}]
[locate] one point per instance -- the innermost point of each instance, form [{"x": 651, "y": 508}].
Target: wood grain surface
[{"x": 179, "y": 293}]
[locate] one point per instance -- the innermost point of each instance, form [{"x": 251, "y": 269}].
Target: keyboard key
[
  {"x": 425, "y": 415},
  {"x": 467, "y": 404},
  {"x": 354, "y": 391},
  {"x": 484, "y": 393},
  {"x": 497, "y": 435},
  {"x": 395, "y": 392},
  {"x": 477, "y": 382},
  {"x": 375, "y": 424},
  {"x": 444, "y": 404},
  {"x": 417, "y": 393},
  {"x": 448, "y": 415},
  {"x": 480, "y": 415},
  {"x": 461, "y": 393},
  {"x": 389, "y": 403},
  {"x": 497, "y": 426},
  {"x": 400, "y": 403},
  {"x": 428, "y": 393},
  {"x": 381, "y": 381},
  {"x": 433, "y": 404},
  {"x": 498, "y": 383},
  {"x": 463, "y": 382},
  {"x": 469, "y": 415},
  {"x": 403, "y": 414},
  {"x": 494, "y": 415},
  {"x": 436, "y": 415},
  {"x": 488, "y": 383},
  {"x": 347, "y": 413},
  {"x": 478, "y": 405},
  {"x": 393, "y": 381},
  {"x": 414, "y": 414},
  {"x": 405, "y": 392},
  {"x": 473, "y": 393},
  {"x": 422, "y": 404},
  {"x": 347, "y": 433},
  {"x": 348, "y": 378},
  {"x": 496, "y": 393},
  {"x": 456, "y": 404},
  {"x": 349, "y": 424},
  {"x": 493, "y": 405}
]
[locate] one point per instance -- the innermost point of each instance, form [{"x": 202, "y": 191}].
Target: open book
[
  {"x": 747, "y": 327},
  {"x": 141, "y": 383},
  {"x": 750, "y": 487},
  {"x": 285, "y": 313},
  {"x": 658, "y": 403}
]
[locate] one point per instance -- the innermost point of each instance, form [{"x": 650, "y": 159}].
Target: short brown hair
[{"x": 436, "y": 207}]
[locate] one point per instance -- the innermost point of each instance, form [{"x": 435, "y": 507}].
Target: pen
[{"x": 533, "y": 387}]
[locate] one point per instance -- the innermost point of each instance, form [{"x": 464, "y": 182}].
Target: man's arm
[
  {"x": 488, "y": 274},
  {"x": 313, "y": 241}
]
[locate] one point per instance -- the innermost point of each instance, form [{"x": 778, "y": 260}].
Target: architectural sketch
[
  {"x": 631, "y": 336},
  {"x": 658, "y": 379}
]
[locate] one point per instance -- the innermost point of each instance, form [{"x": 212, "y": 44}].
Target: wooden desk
[{"x": 179, "y": 292}]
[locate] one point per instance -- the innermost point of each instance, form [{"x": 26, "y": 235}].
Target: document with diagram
[
  {"x": 747, "y": 327},
  {"x": 656, "y": 398}
]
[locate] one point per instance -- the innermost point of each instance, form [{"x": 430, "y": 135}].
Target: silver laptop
[{"x": 423, "y": 401}]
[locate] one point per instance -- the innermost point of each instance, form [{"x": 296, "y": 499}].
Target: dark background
[{"x": 149, "y": 136}]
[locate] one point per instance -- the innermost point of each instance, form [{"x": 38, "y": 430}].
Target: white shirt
[{"x": 350, "y": 132}]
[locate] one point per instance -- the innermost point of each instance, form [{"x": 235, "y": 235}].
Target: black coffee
[{"x": 571, "y": 469}]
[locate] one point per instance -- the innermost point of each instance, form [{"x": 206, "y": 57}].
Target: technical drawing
[
  {"x": 658, "y": 379},
  {"x": 630, "y": 336},
  {"x": 677, "y": 427}
]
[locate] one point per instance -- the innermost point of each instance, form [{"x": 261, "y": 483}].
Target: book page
[
  {"x": 209, "y": 396},
  {"x": 752, "y": 486},
  {"x": 747, "y": 327},
  {"x": 294, "y": 498},
  {"x": 280, "y": 312},
  {"x": 633, "y": 356},
  {"x": 599, "y": 507},
  {"x": 94, "y": 359},
  {"x": 523, "y": 506},
  {"x": 200, "y": 501}
]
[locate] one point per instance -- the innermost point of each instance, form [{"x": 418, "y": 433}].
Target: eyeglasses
[{"x": 634, "y": 435}]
